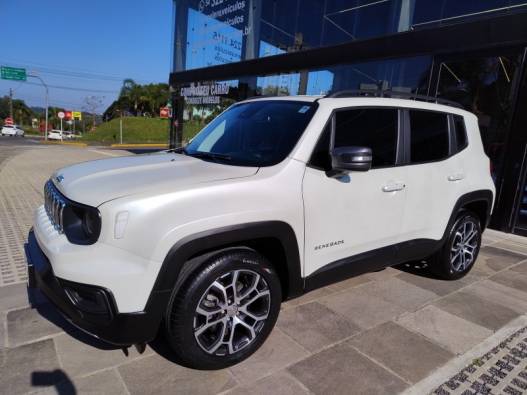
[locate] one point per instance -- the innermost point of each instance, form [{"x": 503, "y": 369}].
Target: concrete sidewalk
[{"x": 386, "y": 332}]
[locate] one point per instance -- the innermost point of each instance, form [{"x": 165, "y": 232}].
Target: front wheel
[
  {"x": 225, "y": 312},
  {"x": 457, "y": 257}
]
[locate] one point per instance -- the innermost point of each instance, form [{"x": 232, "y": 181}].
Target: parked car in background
[
  {"x": 68, "y": 135},
  {"x": 55, "y": 135},
  {"x": 12, "y": 130}
]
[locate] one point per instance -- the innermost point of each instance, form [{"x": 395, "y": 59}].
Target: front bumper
[{"x": 92, "y": 308}]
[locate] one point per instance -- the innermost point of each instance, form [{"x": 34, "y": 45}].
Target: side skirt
[{"x": 371, "y": 261}]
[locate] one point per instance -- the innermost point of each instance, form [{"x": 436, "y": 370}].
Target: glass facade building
[{"x": 469, "y": 51}]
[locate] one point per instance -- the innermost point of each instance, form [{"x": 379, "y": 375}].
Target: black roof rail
[{"x": 391, "y": 94}]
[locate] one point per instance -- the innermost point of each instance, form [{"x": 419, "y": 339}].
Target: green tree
[
  {"x": 22, "y": 114},
  {"x": 136, "y": 99}
]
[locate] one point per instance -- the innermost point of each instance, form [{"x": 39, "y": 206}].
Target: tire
[
  {"x": 201, "y": 315},
  {"x": 460, "y": 251}
]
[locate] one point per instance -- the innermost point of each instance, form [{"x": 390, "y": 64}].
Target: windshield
[{"x": 259, "y": 133}]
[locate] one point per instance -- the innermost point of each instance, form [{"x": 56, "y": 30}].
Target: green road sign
[{"x": 13, "y": 73}]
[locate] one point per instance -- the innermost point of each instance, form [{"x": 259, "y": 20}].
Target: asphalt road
[
  {"x": 10, "y": 146},
  {"x": 7, "y": 141}
]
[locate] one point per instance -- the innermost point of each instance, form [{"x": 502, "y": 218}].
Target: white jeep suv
[{"x": 274, "y": 198}]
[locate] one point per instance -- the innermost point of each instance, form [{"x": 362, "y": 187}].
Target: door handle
[
  {"x": 456, "y": 177},
  {"x": 393, "y": 187}
]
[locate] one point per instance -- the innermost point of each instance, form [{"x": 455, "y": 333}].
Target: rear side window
[
  {"x": 461, "y": 133},
  {"x": 375, "y": 128},
  {"x": 429, "y": 137}
]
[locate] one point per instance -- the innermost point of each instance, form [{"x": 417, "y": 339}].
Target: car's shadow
[
  {"x": 159, "y": 345},
  {"x": 418, "y": 268}
]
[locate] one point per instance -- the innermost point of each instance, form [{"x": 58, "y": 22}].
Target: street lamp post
[{"x": 47, "y": 102}]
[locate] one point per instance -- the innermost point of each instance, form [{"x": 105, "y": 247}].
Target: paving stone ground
[
  {"x": 23, "y": 172},
  {"x": 380, "y": 333}
]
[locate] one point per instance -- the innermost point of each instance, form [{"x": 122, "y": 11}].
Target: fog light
[
  {"x": 121, "y": 220},
  {"x": 91, "y": 301}
]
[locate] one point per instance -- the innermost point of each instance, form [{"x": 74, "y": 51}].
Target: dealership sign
[{"x": 204, "y": 93}]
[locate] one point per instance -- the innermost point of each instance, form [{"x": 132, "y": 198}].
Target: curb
[
  {"x": 139, "y": 145},
  {"x": 73, "y": 144}
]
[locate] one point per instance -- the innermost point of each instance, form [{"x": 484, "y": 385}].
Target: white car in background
[
  {"x": 67, "y": 135},
  {"x": 12, "y": 130},
  {"x": 55, "y": 135}
]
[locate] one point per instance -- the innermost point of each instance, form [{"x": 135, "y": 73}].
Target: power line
[
  {"x": 77, "y": 89},
  {"x": 76, "y": 73}
]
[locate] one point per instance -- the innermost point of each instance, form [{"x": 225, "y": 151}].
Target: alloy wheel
[
  {"x": 464, "y": 246},
  {"x": 232, "y": 312}
]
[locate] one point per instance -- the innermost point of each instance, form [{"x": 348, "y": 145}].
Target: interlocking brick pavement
[
  {"x": 502, "y": 370},
  {"x": 23, "y": 172}
]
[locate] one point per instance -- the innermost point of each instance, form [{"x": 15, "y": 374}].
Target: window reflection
[
  {"x": 220, "y": 32},
  {"x": 484, "y": 86},
  {"x": 445, "y": 11},
  {"x": 403, "y": 75}
]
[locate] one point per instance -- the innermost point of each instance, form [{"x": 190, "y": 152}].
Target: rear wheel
[
  {"x": 225, "y": 312},
  {"x": 457, "y": 257}
]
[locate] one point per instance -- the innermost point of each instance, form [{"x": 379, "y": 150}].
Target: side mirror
[{"x": 351, "y": 159}]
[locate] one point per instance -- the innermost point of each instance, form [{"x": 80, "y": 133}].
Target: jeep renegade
[{"x": 274, "y": 198}]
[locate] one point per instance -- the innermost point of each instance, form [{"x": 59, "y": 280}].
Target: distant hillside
[{"x": 137, "y": 130}]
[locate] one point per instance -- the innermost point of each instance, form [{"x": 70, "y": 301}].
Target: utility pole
[
  {"x": 11, "y": 103},
  {"x": 120, "y": 126},
  {"x": 47, "y": 102}
]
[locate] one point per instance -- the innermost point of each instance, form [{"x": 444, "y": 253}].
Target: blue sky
[{"x": 91, "y": 45}]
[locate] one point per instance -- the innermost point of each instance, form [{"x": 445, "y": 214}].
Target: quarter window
[
  {"x": 461, "y": 133},
  {"x": 429, "y": 137}
]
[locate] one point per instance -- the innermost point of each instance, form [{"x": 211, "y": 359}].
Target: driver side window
[{"x": 375, "y": 128}]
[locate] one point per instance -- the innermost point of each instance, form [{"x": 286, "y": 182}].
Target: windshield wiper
[{"x": 209, "y": 155}]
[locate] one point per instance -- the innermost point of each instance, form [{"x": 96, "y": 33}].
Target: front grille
[{"x": 54, "y": 204}]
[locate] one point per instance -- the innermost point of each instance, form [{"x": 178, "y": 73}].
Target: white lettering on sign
[
  {"x": 227, "y": 9},
  {"x": 203, "y": 100},
  {"x": 204, "y": 94}
]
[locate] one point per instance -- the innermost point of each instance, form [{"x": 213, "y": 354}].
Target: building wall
[{"x": 212, "y": 32}]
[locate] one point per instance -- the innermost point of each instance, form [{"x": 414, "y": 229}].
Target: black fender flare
[
  {"x": 225, "y": 237},
  {"x": 483, "y": 195}
]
